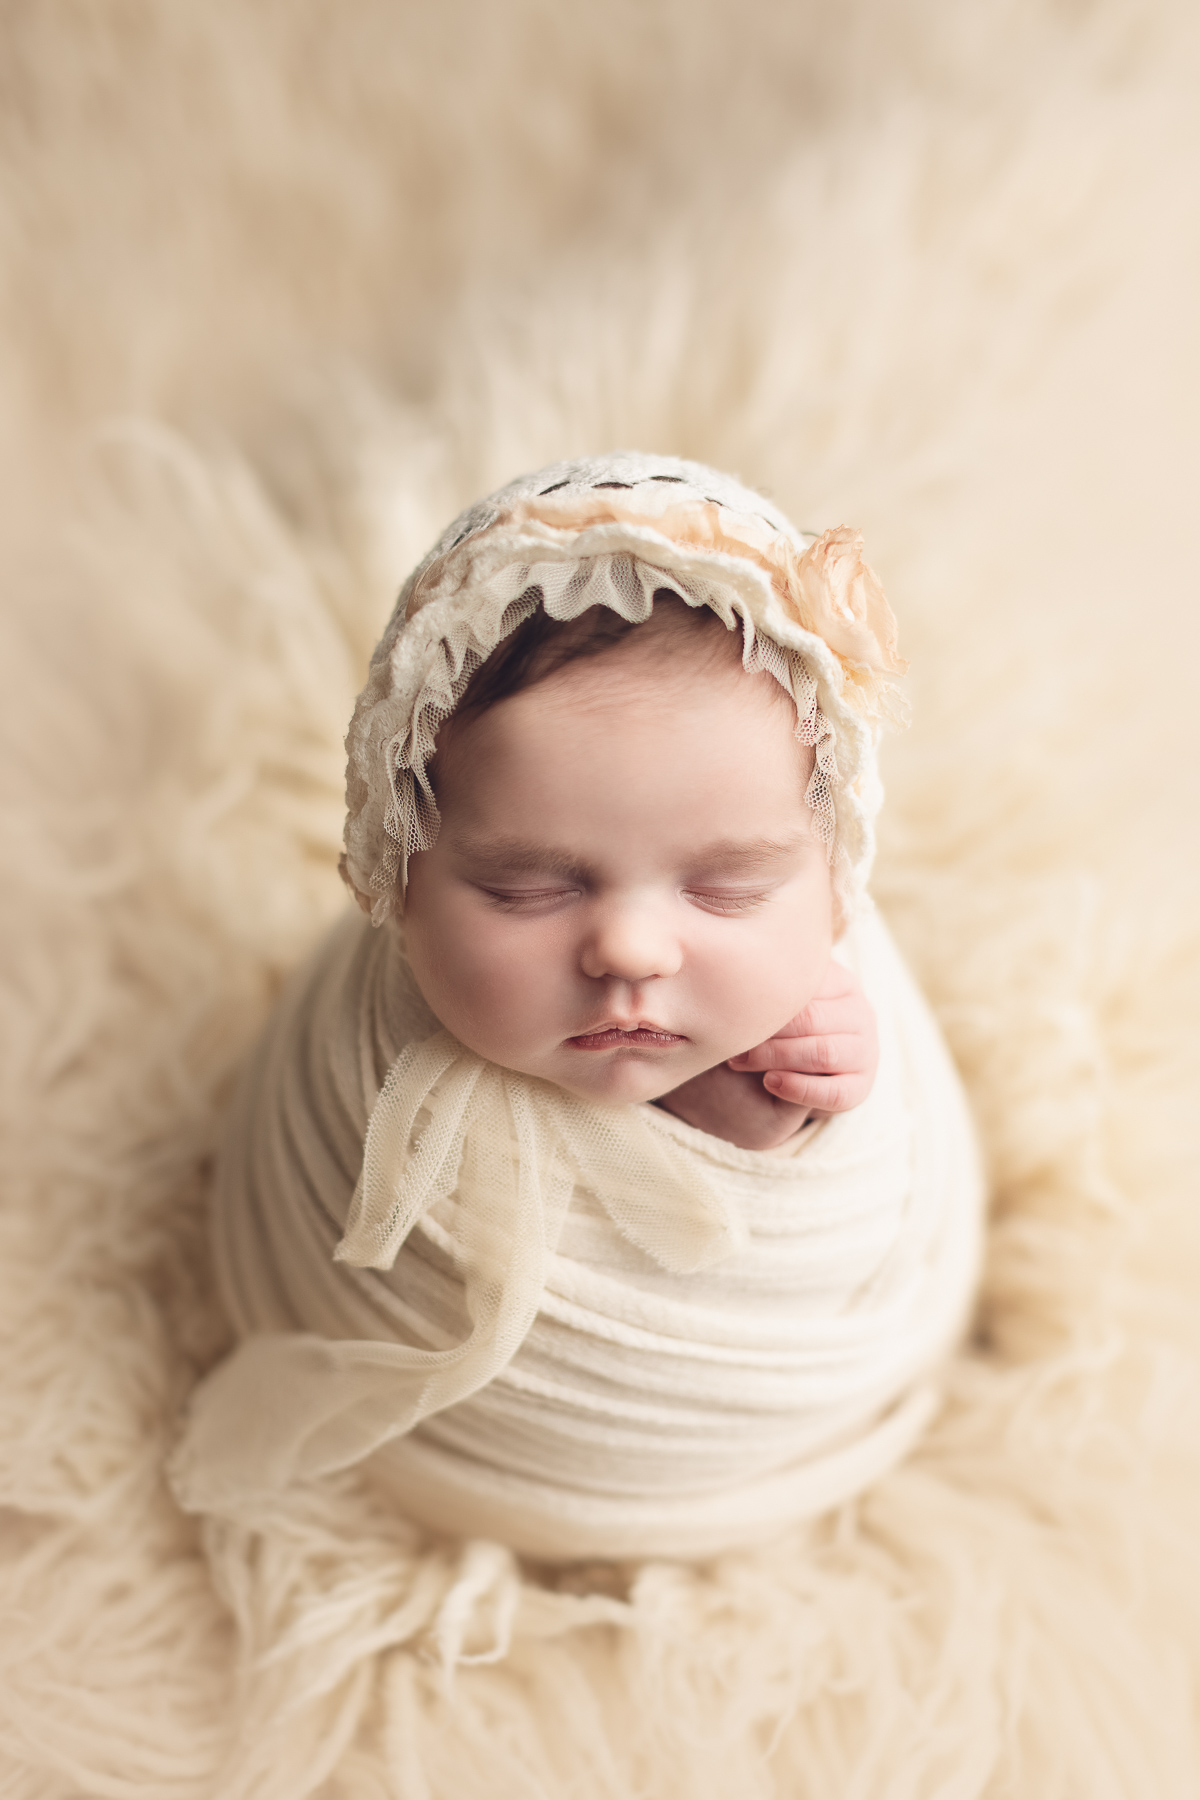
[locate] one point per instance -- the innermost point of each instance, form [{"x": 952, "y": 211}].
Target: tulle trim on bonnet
[{"x": 611, "y": 531}]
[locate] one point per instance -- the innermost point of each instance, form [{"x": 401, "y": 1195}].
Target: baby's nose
[{"x": 631, "y": 943}]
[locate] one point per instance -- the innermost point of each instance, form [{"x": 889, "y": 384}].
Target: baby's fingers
[
  {"x": 819, "y": 1093},
  {"x": 826, "y": 1055}
]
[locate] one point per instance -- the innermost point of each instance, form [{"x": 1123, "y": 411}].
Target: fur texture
[{"x": 284, "y": 286}]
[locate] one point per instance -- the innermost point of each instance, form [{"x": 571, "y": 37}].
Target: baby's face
[{"x": 626, "y": 888}]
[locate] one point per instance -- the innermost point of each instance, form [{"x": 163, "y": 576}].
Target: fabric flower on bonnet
[{"x": 834, "y": 592}]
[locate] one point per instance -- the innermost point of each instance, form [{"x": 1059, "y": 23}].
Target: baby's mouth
[{"x": 614, "y": 1037}]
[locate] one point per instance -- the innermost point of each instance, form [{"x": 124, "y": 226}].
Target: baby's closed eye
[
  {"x": 727, "y": 900},
  {"x": 528, "y": 899}
]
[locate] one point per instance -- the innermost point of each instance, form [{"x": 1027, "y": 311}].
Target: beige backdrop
[{"x": 283, "y": 286}]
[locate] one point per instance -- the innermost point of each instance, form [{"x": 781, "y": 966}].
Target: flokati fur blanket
[{"x": 284, "y": 288}]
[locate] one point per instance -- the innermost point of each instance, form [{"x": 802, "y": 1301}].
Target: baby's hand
[
  {"x": 823, "y": 1061},
  {"x": 825, "y": 1058}
]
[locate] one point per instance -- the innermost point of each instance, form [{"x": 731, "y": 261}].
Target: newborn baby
[{"x": 603, "y": 1185}]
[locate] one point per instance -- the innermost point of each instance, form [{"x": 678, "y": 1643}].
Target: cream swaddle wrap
[
  {"x": 581, "y": 1329},
  {"x": 616, "y": 1334}
]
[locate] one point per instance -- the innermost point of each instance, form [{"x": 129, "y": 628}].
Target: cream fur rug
[{"x": 283, "y": 288}]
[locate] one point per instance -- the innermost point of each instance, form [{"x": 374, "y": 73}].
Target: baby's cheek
[
  {"x": 778, "y": 975},
  {"x": 446, "y": 962},
  {"x": 505, "y": 992},
  {"x": 739, "y": 999}
]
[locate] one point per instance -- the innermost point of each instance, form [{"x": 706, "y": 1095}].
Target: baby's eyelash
[
  {"x": 725, "y": 902},
  {"x": 514, "y": 902}
]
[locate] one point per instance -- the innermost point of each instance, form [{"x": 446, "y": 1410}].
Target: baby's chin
[{"x": 623, "y": 1079}]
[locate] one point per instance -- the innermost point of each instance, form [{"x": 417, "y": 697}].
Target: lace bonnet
[{"x": 612, "y": 531}]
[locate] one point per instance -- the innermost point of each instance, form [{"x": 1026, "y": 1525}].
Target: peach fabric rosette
[
  {"x": 837, "y": 596},
  {"x": 613, "y": 531}
]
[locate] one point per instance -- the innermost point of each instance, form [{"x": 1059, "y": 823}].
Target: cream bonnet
[{"x": 613, "y": 531}]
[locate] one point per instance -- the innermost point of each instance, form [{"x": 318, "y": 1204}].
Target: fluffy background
[{"x": 283, "y": 286}]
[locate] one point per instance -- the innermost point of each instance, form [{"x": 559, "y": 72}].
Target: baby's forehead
[{"x": 630, "y": 736}]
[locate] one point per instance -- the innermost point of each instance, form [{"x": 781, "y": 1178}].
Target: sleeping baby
[{"x": 602, "y": 1183}]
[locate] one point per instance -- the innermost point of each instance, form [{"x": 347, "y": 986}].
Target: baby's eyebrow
[
  {"x": 747, "y": 856},
  {"x": 494, "y": 858},
  {"x": 521, "y": 856}
]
